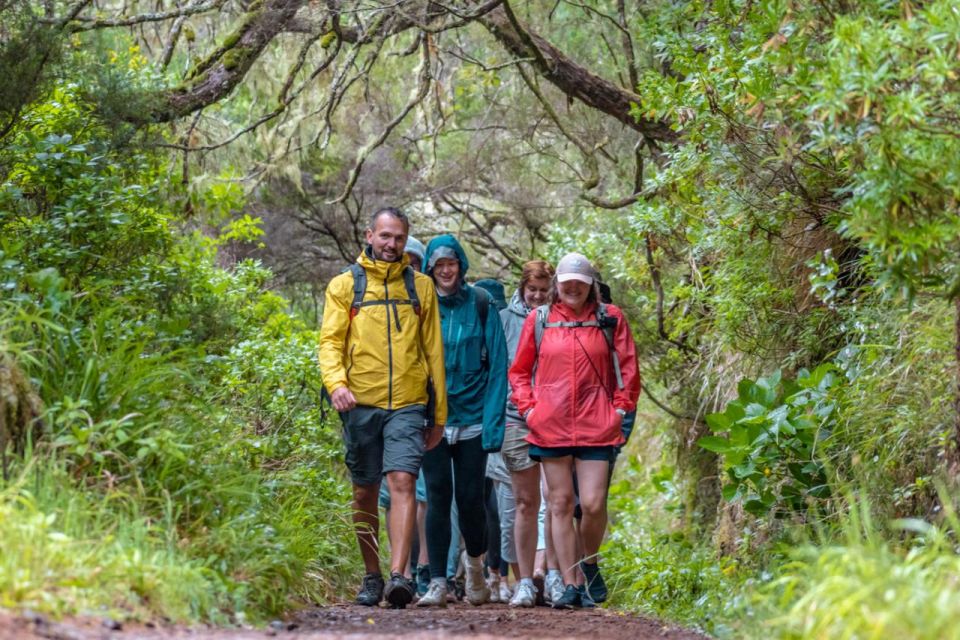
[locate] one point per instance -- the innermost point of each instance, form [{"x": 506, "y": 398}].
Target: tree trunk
[{"x": 20, "y": 410}]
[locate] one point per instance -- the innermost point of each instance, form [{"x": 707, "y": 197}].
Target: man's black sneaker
[
  {"x": 586, "y": 601},
  {"x": 371, "y": 591},
  {"x": 399, "y": 591},
  {"x": 423, "y": 579},
  {"x": 595, "y": 583},
  {"x": 539, "y": 586},
  {"x": 570, "y": 598}
]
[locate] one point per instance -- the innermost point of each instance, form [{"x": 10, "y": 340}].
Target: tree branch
[
  {"x": 423, "y": 85},
  {"x": 215, "y": 78},
  {"x": 573, "y": 79}
]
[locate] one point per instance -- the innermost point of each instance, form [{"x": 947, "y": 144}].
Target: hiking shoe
[
  {"x": 525, "y": 596},
  {"x": 554, "y": 587},
  {"x": 477, "y": 590},
  {"x": 371, "y": 591},
  {"x": 539, "y": 586},
  {"x": 436, "y": 595},
  {"x": 505, "y": 592},
  {"x": 399, "y": 591},
  {"x": 586, "y": 601},
  {"x": 595, "y": 583},
  {"x": 455, "y": 589},
  {"x": 493, "y": 583},
  {"x": 423, "y": 579},
  {"x": 570, "y": 598}
]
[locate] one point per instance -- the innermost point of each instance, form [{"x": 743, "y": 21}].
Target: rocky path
[{"x": 491, "y": 622}]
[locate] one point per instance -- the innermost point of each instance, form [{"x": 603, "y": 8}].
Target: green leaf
[
  {"x": 714, "y": 443},
  {"x": 732, "y": 492},
  {"x": 718, "y": 422}
]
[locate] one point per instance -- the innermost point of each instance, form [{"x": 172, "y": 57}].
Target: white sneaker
[
  {"x": 525, "y": 596},
  {"x": 505, "y": 592},
  {"x": 477, "y": 590},
  {"x": 495, "y": 587},
  {"x": 436, "y": 595},
  {"x": 554, "y": 587}
]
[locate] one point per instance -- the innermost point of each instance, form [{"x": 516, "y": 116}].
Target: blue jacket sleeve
[{"x": 494, "y": 402}]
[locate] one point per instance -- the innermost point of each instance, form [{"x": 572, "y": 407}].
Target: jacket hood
[
  {"x": 495, "y": 289},
  {"x": 443, "y": 244},
  {"x": 518, "y": 306}
]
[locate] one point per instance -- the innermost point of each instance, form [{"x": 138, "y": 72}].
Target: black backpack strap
[
  {"x": 409, "y": 282},
  {"x": 608, "y": 327},
  {"x": 482, "y": 300}
]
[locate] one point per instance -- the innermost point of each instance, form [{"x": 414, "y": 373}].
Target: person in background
[
  {"x": 496, "y": 291},
  {"x": 380, "y": 347},
  {"x": 501, "y": 550},
  {"x": 476, "y": 363},
  {"x": 415, "y": 253},
  {"x": 536, "y": 288},
  {"x": 415, "y": 250},
  {"x": 586, "y": 381}
]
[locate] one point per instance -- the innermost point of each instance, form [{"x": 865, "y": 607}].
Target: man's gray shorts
[
  {"x": 515, "y": 450},
  {"x": 378, "y": 441}
]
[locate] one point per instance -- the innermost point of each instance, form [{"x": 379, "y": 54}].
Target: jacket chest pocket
[{"x": 463, "y": 345}]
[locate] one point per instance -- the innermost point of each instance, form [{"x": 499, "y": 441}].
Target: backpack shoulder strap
[
  {"x": 482, "y": 300},
  {"x": 359, "y": 288},
  {"x": 483, "y": 305},
  {"x": 542, "y": 312},
  {"x": 608, "y": 328},
  {"x": 409, "y": 282}
]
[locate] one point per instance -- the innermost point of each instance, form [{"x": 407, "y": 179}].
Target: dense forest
[{"x": 771, "y": 189}]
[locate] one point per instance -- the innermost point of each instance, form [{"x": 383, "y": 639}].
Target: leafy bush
[
  {"x": 180, "y": 397},
  {"x": 775, "y": 428}
]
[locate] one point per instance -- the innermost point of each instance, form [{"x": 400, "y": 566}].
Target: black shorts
[{"x": 580, "y": 453}]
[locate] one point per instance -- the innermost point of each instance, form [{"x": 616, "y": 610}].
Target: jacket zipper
[
  {"x": 386, "y": 296},
  {"x": 352, "y": 347}
]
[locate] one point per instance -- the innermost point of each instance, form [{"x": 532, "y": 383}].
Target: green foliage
[
  {"x": 181, "y": 399},
  {"x": 865, "y": 585},
  {"x": 28, "y": 51},
  {"x": 774, "y": 430},
  {"x": 66, "y": 550}
]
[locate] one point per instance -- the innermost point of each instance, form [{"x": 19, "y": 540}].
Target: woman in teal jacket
[{"x": 475, "y": 358}]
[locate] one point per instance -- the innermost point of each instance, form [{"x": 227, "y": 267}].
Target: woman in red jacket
[{"x": 573, "y": 389}]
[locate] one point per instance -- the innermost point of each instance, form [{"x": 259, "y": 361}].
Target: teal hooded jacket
[{"x": 476, "y": 386}]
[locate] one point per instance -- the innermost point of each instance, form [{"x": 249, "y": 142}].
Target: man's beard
[{"x": 382, "y": 258}]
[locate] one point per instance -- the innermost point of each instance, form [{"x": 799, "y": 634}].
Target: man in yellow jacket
[{"x": 380, "y": 349}]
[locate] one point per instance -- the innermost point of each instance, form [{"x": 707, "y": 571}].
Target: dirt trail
[{"x": 490, "y": 622}]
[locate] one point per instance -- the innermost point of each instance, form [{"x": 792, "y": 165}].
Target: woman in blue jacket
[{"x": 475, "y": 356}]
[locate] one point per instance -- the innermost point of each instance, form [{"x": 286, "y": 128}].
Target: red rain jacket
[{"x": 575, "y": 397}]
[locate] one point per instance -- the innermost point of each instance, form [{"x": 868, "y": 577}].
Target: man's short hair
[{"x": 392, "y": 212}]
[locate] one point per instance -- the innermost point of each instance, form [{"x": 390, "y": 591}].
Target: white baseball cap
[{"x": 575, "y": 266}]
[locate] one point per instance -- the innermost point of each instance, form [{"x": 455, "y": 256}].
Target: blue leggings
[{"x": 455, "y": 471}]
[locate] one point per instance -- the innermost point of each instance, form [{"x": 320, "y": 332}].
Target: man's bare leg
[
  {"x": 403, "y": 514},
  {"x": 366, "y": 523}
]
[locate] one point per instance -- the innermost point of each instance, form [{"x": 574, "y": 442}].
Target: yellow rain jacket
[{"x": 386, "y": 353}]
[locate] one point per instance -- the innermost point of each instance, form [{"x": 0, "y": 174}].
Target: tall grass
[
  {"x": 164, "y": 485},
  {"x": 67, "y": 550},
  {"x": 869, "y": 583}
]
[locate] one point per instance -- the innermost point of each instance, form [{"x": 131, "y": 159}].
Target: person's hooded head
[
  {"x": 416, "y": 251},
  {"x": 496, "y": 291},
  {"x": 446, "y": 263}
]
